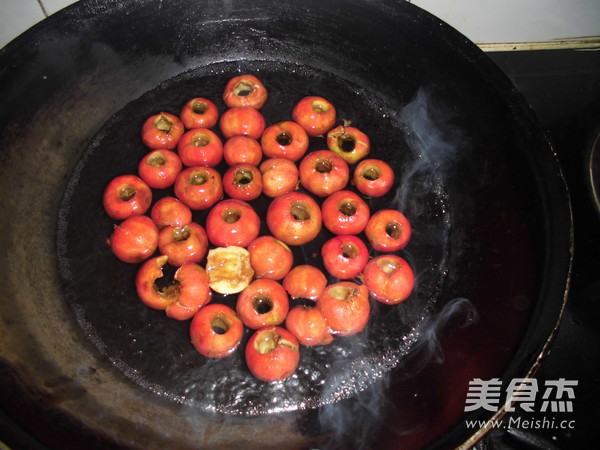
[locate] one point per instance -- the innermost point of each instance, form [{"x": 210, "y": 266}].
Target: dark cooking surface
[
  {"x": 414, "y": 418},
  {"x": 155, "y": 352}
]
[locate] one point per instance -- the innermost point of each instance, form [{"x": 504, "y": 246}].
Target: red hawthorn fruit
[
  {"x": 181, "y": 299},
  {"x": 264, "y": 302},
  {"x": 186, "y": 244},
  {"x": 344, "y": 212},
  {"x": 270, "y": 258},
  {"x": 168, "y": 211},
  {"x": 388, "y": 230},
  {"x": 216, "y": 331},
  {"x": 305, "y": 281},
  {"x": 200, "y": 147},
  {"x": 245, "y": 90},
  {"x": 349, "y": 143},
  {"x": 243, "y": 182},
  {"x": 315, "y": 114},
  {"x": 272, "y": 354},
  {"x": 323, "y": 172},
  {"x": 389, "y": 279},
  {"x": 242, "y": 121},
  {"x": 199, "y": 112},
  {"x": 135, "y": 239},
  {"x": 242, "y": 150},
  {"x": 159, "y": 168},
  {"x": 308, "y": 325},
  {"x": 345, "y": 256},
  {"x": 373, "y": 177},
  {"x": 125, "y": 196},
  {"x": 284, "y": 140},
  {"x": 162, "y": 131},
  {"x": 345, "y": 307}
]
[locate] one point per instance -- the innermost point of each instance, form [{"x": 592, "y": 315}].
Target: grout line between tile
[{"x": 43, "y": 8}]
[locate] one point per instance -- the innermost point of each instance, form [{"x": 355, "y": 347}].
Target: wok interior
[
  {"x": 156, "y": 352},
  {"x": 87, "y": 362}
]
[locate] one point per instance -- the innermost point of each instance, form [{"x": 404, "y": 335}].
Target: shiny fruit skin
[
  {"x": 199, "y": 112},
  {"x": 160, "y": 168},
  {"x": 279, "y": 175},
  {"x": 305, "y": 281},
  {"x": 389, "y": 279},
  {"x": 186, "y": 244},
  {"x": 170, "y": 211},
  {"x": 270, "y": 258},
  {"x": 345, "y": 212},
  {"x": 243, "y": 182},
  {"x": 315, "y": 114},
  {"x": 126, "y": 196},
  {"x": 345, "y": 257},
  {"x": 294, "y": 218},
  {"x": 284, "y": 140},
  {"x": 349, "y": 143},
  {"x": 345, "y": 307},
  {"x": 264, "y": 302},
  {"x": 232, "y": 222},
  {"x": 199, "y": 187},
  {"x": 242, "y": 121},
  {"x": 388, "y": 230},
  {"x": 245, "y": 90},
  {"x": 216, "y": 331},
  {"x": 272, "y": 354},
  {"x": 322, "y": 172},
  {"x": 373, "y": 177},
  {"x": 135, "y": 239},
  {"x": 242, "y": 150},
  {"x": 200, "y": 147},
  {"x": 183, "y": 298},
  {"x": 308, "y": 325},
  {"x": 162, "y": 130}
]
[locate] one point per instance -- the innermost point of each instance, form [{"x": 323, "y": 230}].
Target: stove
[{"x": 563, "y": 88}]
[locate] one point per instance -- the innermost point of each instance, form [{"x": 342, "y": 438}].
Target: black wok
[{"x": 83, "y": 362}]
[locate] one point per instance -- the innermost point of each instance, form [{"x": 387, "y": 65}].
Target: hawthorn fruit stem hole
[
  {"x": 349, "y": 250},
  {"x": 346, "y": 142},
  {"x": 201, "y": 141},
  {"x": 219, "y": 325},
  {"x": 126, "y": 193},
  {"x": 163, "y": 123},
  {"x": 300, "y": 211},
  {"x": 243, "y": 88},
  {"x": 198, "y": 178},
  {"x": 199, "y": 107},
  {"x": 393, "y": 230},
  {"x": 243, "y": 176},
  {"x": 181, "y": 234},
  {"x": 156, "y": 160},
  {"x": 283, "y": 138},
  {"x": 371, "y": 174},
  {"x": 266, "y": 342},
  {"x": 323, "y": 166},
  {"x": 347, "y": 208},
  {"x": 231, "y": 216},
  {"x": 262, "y": 304}
]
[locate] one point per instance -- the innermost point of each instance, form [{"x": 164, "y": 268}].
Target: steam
[
  {"x": 436, "y": 144},
  {"x": 353, "y": 421}
]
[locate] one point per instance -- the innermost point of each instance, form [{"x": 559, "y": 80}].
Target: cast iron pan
[{"x": 83, "y": 361}]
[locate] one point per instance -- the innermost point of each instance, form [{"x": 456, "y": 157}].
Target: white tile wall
[{"x": 16, "y": 16}]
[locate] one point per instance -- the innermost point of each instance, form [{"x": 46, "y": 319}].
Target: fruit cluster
[{"x": 272, "y": 161}]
